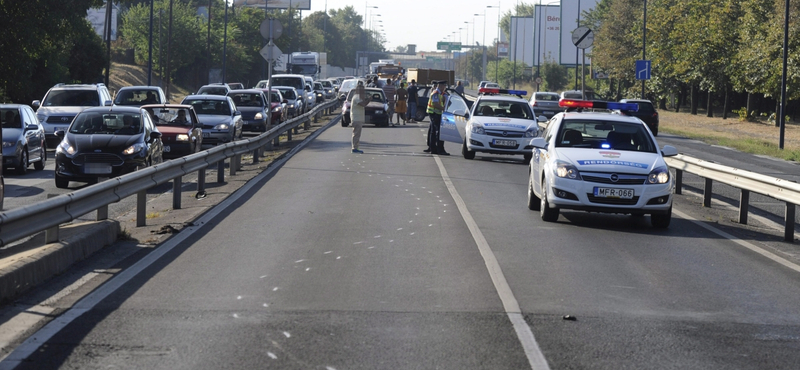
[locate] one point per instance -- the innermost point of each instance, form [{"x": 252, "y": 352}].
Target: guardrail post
[
  {"x": 221, "y": 171},
  {"x": 316, "y": 118},
  {"x": 277, "y": 141},
  {"x": 176, "y": 192},
  {"x": 307, "y": 123},
  {"x": 707, "y": 193},
  {"x": 788, "y": 230},
  {"x": 102, "y": 212},
  {"x": 256, "y": 154},
  {"x": 678, "y": 181},
  {"x": 744, "y": 206},
  {"x": 141, "y": 208},
  {"x": 201, "y": 183},
  {"x": 234, "y": 165},
  {"x": 51, "y": 234},
  {"x": 289, "y": 134}
]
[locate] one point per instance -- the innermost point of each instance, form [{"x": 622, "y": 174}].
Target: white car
[
  {"x": 600, "y": 162},
  {"x": 495, "y": 124}
]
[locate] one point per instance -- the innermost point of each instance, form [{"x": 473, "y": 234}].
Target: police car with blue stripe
[
  {"x": 600, "y": 162},
  {"x": 499, "y": 122}
]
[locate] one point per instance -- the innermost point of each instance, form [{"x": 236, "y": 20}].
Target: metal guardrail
[
  {"x": 746, "y": 181},
  {"x": 47, "y": 215}
]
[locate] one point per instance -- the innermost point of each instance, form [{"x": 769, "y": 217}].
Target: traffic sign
[
  {"x": 271, "y": 29},
  {"x": 271, "y": 52},
  {"x": 583, "y": 37},
  {"x": 448, "y": 46},
  {"x": 642, "y": 69},
  {"x": 433, "y": 59}
]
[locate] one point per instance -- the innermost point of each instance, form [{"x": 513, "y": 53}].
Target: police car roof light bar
[
  {"x": 575, "y": 104},
  {"x": 484, "y": 90}
]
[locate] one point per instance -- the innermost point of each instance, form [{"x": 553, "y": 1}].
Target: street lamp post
[
  {"x": 466, "y": 64},
  {"x": 483, "y": 71},
  {"x": 366, "y": 30},
  {"x": 497, "y": 43}
]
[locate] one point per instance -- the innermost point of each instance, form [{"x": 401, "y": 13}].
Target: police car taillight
[
  {"x": 573, "y": 103},
  {"x": 485, "y": 90}
]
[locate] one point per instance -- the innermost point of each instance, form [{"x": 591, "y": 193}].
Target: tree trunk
[
  {"x": 749, "y": 104},
  {"x": 710, "y": 106},
  {"x": 725, "y": 104},
  {"x": 778, "y": 113},
  {"x": 662, "y": 104},
  {"x": 694, "y": 100}
]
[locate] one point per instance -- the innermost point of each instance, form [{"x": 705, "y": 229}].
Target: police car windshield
[
  {"x": 503, "y": 108},
  {"x": 598, "y": 134}
]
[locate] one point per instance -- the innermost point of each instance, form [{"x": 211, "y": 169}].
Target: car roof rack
[
  {"x": 494, "y": 91},
  {"x": 577, "y": 105}
]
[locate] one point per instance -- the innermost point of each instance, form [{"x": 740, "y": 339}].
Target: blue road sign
[{"x": 642, "y": 69}]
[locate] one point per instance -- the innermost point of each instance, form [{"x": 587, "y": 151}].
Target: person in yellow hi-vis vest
[{"x": 435, "y": 109}]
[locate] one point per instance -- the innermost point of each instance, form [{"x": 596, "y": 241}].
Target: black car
[
  {"x": 107, "y": 142},
  {"x": 423, "y": 95},
  {"x": 254, "y": 107},
  {"x": 647, "y": 113}
]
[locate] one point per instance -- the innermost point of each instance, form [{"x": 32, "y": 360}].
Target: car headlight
[
  {"x": 222, "y": 126},
  {"x": 8, "y": 144},
  {"x": 64, "y": 147},
  {"x": 477, "y": 128},
  {"x": 41, "y": 117},
  {"x": 135, "y": 148},
  {"x": 532, "y": 132},
  {"x": 277, "y": 109},
  {"x": 291, "y": 105},
  {"x": 182, "y": 137},
  {"x": 258, "y": 116},
  {"x": 659, "y": 175},
  {"x": 567, "y": 170}
]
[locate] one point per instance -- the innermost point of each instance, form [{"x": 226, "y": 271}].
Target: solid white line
[
  {"x": 780, "y": 260},
  {"x": 524, "y": 334},
  {"x": 36, "y": 340}
]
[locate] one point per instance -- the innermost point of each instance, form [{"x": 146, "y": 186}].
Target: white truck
[{"x": 307, "y": 63}]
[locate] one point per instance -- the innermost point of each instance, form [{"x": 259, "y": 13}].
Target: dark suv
[{"x": 647, "y": 113}]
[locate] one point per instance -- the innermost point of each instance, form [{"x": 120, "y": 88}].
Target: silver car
[
  {"x": 222, "y": 122},
  {"x": 23, "y": 138}
]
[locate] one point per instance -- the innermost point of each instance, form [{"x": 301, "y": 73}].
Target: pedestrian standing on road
[
  {"x": 459, "y": 88},
  {"x": 390, "y": 91},
  {"x": 400, "y": 106},
  {"x": 435, "y": 110},
  {"x": 357, "y": 114},
  {"x": 411, "y": 112}
]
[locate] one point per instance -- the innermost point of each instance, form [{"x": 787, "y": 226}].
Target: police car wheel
[
  {"x": 548, "y": 214},
  {"x": 661, "y": 220},
  {"x": 468, "y": 154},
  {"x": 533, "y": 201},
  {"x": 527, "y": 157}
]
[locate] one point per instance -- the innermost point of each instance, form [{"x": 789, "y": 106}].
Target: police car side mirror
[
  {"x": 669, "y": 151},
  {"x": 539, "y": 142}
]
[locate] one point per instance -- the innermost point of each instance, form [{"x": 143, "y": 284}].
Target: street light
[
  {"x": 366, "y": 29},
  {"x": 483, "y": 71},
  {"x": 497, "y": 54}
]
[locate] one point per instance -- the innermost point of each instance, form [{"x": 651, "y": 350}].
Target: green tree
[{"x": 555, "y": 76}]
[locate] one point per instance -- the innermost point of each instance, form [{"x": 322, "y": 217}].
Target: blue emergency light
[
  {"x": 591, "y": 104},
  {"x": 484, "y": 90}
]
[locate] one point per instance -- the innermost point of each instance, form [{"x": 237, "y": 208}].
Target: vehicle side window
[
  {"x": 30, "y": 118},
  {"x": 456, "y": 103},
  {"x": 548, "y": 133}
]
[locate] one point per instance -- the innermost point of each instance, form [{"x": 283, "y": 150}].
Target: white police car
[
  {"x": 600, "y": 162},
  {"x": 496, "y": 124}
]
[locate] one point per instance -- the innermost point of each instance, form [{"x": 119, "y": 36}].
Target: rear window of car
[
  {"x": 547, "y": 97},
  {"x": 645, "y": 107}
]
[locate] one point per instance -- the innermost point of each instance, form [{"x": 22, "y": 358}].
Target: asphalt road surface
[{"x": 394, "y": 259}]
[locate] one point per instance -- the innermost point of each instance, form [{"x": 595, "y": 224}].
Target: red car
[
  {"x": 181, "y": 131},
  {"x": 277, "y": 105}
]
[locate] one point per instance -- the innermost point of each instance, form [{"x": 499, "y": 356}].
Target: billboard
[
  {"x": 548, "y": 24},
  {"x": 275, "y": 4},
  {"x": 570, "y": 12},
  {"x": 521, "y": 40}
]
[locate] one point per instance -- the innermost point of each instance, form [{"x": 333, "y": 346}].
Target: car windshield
[
  {"x": 295, "y": 82},
  {"x": 247, "y": 99},
  {"x": 71, "y": 98},
  {"x": 211, "y": 107},
  {"x": 89, "y": 123},
  {"x": 503, "y": 108},
  {"x": 275, "y": 97},
  {"x": 136, "y": 97},
  {"x": 289, "y": 94},
  {"x": 10, "y": 118},
  {"x": 212, "y": 90},
  {"x": 598, "y": 134},
  {"x": 349, "y": 84},
  {"x": 171, "y": 116},
  {"x": 326, "y": 83}
]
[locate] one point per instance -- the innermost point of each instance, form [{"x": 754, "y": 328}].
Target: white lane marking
[
  {"x": 298, "y": 261},
  {"x": 272, "y": 355},
  {"x": 239, "y": 297},
  {"x": 328, "y": 252},
  {"x": 275, "y": 289},
  {"x": 286, "y": 333},
  {"x": 399, "y": 228},
  {"x": 524, "y": 334},
  {"x": 780, "y": 260}
]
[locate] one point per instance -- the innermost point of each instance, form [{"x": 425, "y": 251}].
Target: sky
[{"x": 425, "y": 22}]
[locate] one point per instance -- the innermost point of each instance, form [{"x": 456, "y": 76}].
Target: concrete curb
[{"x": 28, "y": 269}]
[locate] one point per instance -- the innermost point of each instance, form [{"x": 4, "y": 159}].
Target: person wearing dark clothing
[
  {"x": 411, "y": 112},
  {"x": 435, "y": 110}
]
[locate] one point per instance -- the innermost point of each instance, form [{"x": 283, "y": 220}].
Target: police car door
[{"x": 454, "y": 120}]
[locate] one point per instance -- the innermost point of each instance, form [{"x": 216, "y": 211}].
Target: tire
[
  {"x": 420, "y": 116},
  {"x": 661, "y": 221},
  {"x": 548, "y": 214},
  {"x": 22, "y": 168},
  {"x": 38, "y": 166},
  {"x": 527, "y": 157},
  {"x": 655, "y": 131},
  {"x": 61, "y": 182},
  {"x": 468, "y": 154},
  {"x": 533, "y": 201}
]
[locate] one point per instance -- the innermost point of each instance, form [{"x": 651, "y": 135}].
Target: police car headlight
[
  {"x": 659, "y": 175},
  {"x": 532, "y": 132},
  {"x": 477, "y": 128},
  {"x": 567, "y": 170}
]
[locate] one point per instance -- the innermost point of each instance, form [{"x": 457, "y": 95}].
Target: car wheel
[
  {"x": 468, "y": 154},
  {"x": 527, "y": 157},
  {"x": 22, "y": 168},
  {"x": 61, "y": 182},
  {"x": 533, "y": 200},
  {"x": 420, "y": 116},
  {"x": 661, "y": 220},
  {"x": 548, "y": 214},
  {"x": 38, "y": 166}
]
